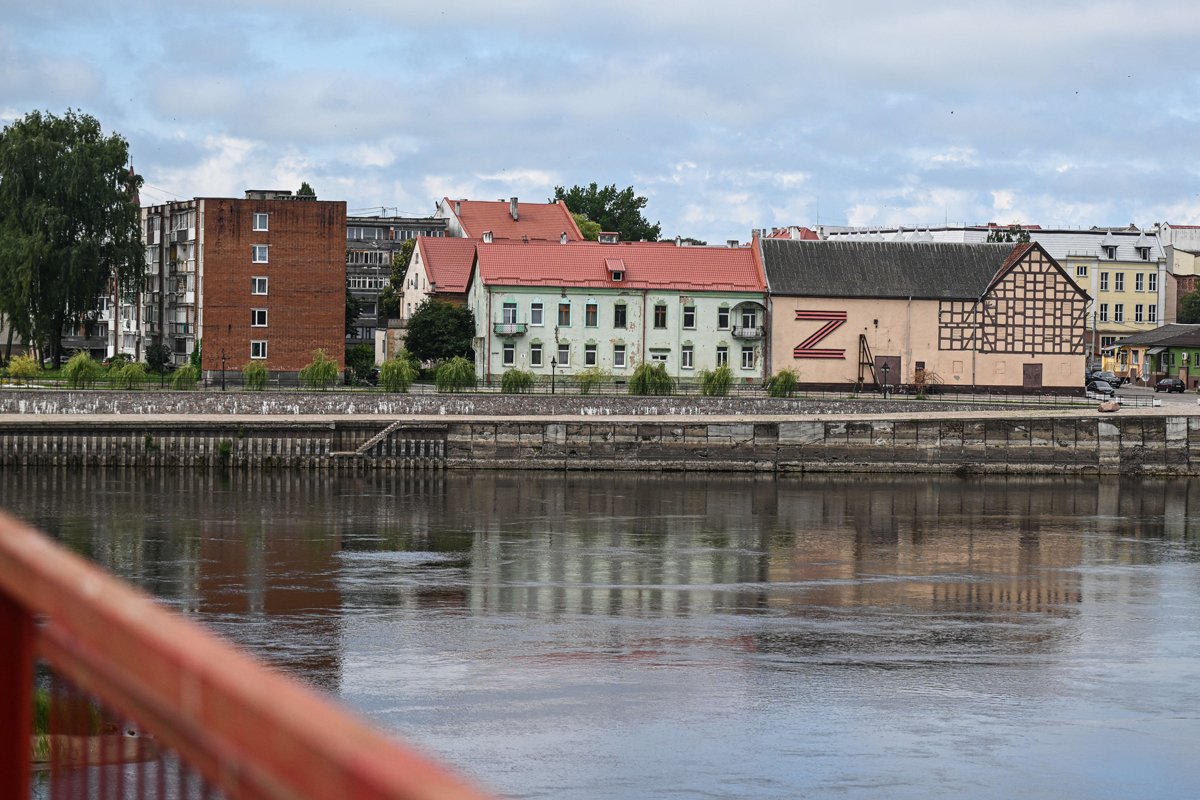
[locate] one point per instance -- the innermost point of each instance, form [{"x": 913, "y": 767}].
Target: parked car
[
  {"x": 1101, "y": 387},
  {"x": 1111, "y": 378},
  {"x": 1170, "y": 385}
]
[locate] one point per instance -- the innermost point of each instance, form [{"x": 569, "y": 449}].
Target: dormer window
[
  {"x": 618, "y": 275},
  {"x": 1144, "y": 253},
  {"x": 1110, "y": 252}
]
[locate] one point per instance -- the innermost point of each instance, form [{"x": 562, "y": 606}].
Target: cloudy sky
[{"x": 727, "y": 116}]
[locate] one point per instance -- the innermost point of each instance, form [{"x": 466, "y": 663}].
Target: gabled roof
[
  {"x": 545, "y": 221},
  {"x": 920, "y": 270},
  {"x": 447, "y": 261},
  {"x": 1176, "y": 334},
  {"x": 646, "y": 265}
]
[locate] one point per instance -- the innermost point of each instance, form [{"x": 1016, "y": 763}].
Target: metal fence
[{"x": 105, "y": 694}]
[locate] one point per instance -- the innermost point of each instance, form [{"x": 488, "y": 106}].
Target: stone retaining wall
[{"x": 1128, "y": 444}]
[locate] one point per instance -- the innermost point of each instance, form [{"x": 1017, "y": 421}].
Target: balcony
[
  {"x": 509, "y": 328},
  {"x": 747, "y": 332}
]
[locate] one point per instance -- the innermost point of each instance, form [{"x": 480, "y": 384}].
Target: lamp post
[
  {"x": 886, "y": 369},
  {"x": 553, "y": 367},
  {"x": 222, "y": 369}
]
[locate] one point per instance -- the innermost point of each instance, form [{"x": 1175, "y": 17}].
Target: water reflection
[{"x": 613, "y": 635}]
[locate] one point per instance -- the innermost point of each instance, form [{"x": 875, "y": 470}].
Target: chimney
[
  {"x": 679, "y": 241},
  {"x": 457, "y": 208},
  {"x": 487, "y": 237},
  {"x": 563, "y": 239},
  {"x": 512, "y": 208},
  {"x": 731, "y": 242}
]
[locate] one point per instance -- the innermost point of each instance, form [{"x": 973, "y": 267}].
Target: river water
[{"x": 648, "y": 636}]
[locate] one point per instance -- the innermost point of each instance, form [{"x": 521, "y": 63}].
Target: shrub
[
  {"x": 158, "y": 357},
  {"x": 254, "y": 376},
  {"x": 320, "y": 373},
  {"x": 23, "y": 368},
  {"x": 716, "y": 382},
  {"x": 455, "y": 375},
  {"x": 651, "y": 379},
  {"x": 81, "y": 371},
  {"x": 398, "y": 372},
  {"x": 186, "y": 377},
  {"x": 360, "y": 363},
  {"x": 590, "y": 379},
  {"x": 782, "y": 383},
  {"x": 131, "y": 375},
  {"x": 516, "y": 381}
]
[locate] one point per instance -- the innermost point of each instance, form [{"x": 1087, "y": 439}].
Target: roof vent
[
  {"x": 458, "y": 207},
  {"x": 487, "y": 237},
  {"x": 563, "y": 238},
  {"x": 512, "y": 208}
]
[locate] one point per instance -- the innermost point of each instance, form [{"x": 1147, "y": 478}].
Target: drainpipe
[
  {"x": 644, "y": 294},
  {"x": 487, "y": 340},
  {"x": 907, "y": 340}
]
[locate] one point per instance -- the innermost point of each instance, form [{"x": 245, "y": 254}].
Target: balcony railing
[
  {"x": 509, "y": 328},
  {"x": 747, "y": 332}
]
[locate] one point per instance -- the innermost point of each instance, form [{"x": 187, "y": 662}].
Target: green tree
[
  {"x": 613, "y": 209},
  {"x": 254, "y": 376},
  {"x": 320, "y": 373},
  {"x": 158, "y": 356},
  {"x": 1189, "y": 308},
  {"x": 1013, "y": 233},
  {"x": 23, "y": 368},
  {"x": 305, "y": 190},
  {"x": 389, "y": 298},
  {"x": 716, "y": 382},
  {"x": 69, "y": 223},
  {"x": 360, "y": 362},
  {"x": 783, "y": 383},
  {"x": 185, "y": 378},
  {"x": 81, "y": 371},
  {"x": 398, "y": 372},
  {"x": 516, "y": 381},
  {"x": 589, "y": 229},
  {"x": 455, "y": 375},
  {"x": 439, "y": 330},
  {"x": 651, "y": 379},
  {"x": 353, "y": 309}
]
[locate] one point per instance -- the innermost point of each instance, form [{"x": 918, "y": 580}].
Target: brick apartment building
[{"x": 255, "y": 279}]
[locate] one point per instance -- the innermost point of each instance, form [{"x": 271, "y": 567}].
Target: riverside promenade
[{"x": 434, "y": 432}]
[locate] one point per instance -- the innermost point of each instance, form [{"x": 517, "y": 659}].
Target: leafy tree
[
  {"x": 455, "y": 375},
  {"x": 613, "y": 209},
  {"x": 692, "y": 242},
  {"x": 305, "y": 190},
  {"x": 651, "y": 379},
  {"x": 398, "y": 372},
  {"x": 320, "y": 373},
  {"x": 1013, "y": 233},
  {"x": 439, "y": 330},
  {"x": 131, "y": 375},
  {"x": 360, "y": 363},
  {"x": 516, "y": 381},
  {"x": 1189, "y": 308},
  {"x": 158, "y": 356},
  {"x": 589, "y": 229},
  {"x": 254, "y": 376},
  {"x": 185, "y": 378},
  {"x": 81, "y": 371},
  {"x": 353, "y": 309},
  {"x": 69, "y": 223},
  {"x": 389, "y": 298},
  {"x": 194, "y": 358},
  {"x": 590, "y": 379},
  {"x": 23, "y": 368},
  {"x": 716, "y": 382},
  {"x": 783, "y": 383}
]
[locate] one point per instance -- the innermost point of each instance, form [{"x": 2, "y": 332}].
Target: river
[{"x": 687, "y": 636}]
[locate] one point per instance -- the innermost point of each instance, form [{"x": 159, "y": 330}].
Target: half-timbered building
[{"x": 924, "y": 314}]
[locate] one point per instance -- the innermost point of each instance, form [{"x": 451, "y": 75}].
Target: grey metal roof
[
  {"x": 923, "y": 270},
  {"x": 1176, "y": 334}
]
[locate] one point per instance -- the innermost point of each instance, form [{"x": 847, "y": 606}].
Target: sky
[{"x": 725, "y": 116}]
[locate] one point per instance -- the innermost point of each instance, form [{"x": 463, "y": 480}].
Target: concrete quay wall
[{"x": 1125, "y": 444}]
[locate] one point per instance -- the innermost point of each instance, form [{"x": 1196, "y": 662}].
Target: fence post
[{"x": 16, "y": 699}]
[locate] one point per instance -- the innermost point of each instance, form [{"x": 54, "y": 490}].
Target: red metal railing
[{"x": 246, "y": 731}]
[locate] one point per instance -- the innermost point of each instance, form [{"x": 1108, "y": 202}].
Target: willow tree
[{"x": 69, "y": 223}]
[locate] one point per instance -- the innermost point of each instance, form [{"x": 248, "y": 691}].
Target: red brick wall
[{"x": 306, "y": 290}]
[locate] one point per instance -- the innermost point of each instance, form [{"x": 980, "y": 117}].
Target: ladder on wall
[{"x": 866, "y": 364}]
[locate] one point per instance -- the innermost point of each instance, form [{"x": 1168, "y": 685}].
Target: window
[
  {"x": 1081, "y": 271},
  {"x": 589, "y": 355},
  {"x": 619, "y": 315},
  {"x": 258, "y": 318},
  {"x": 1104, "y": 281},
  {"x": 749, "y": 318},
  {"x": 564, "y": 315},
  {"x": 689, "y": 317},
  {"x": 564, "y": 355},
  {"x": 1152, "y": 283},
  {"x": 618, "y": 275},
  {"x": 535, "y": 313},
  {"x": 258, "y": 349},
  {"x": 1110, "y": 252},
  {"x": 618, "y": 355},
  {"x": 1107, "y": 341},
  {"x": 722, "y": 355},
  {"x": 722, "y": 318},
  {"x": 258, "y": 253},
  {"x": 1119, "y": 282},
  {"x": 260, "y": 221},
  {"x": 258, "y": 285},
  {"x": 509, "y": 313},
  {"x": 1104, "y": 312},
  {"x": 1139, "y": 313},
  {"x": 1139, "y": 282},
  {"x": 686, "y": 357},
  {"x": 1118, "y": 312},
  {"x": 509, "y": 352},
  {"x": 591, "y": 315},
  {"x": 659, "y": 356},
  {"x": 660, "y": 316},
  {"x": 1152, "y": 313},
  {"x": 1144, "y": 253},
  {"x": 747, "y": 358},
  {"x": 535, "y": 355}
]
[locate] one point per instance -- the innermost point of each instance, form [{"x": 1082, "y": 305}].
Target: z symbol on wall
[{"x": 833, "y": 320}]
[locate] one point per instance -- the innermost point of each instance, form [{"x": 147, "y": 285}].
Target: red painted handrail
[{"x": 248, "y": 730}]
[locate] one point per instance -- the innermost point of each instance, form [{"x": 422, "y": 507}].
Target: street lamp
[
  {"x": 886, "y": 369},
  {"x": 222, "y": 369},
  {"x": 553, "y": 367}
]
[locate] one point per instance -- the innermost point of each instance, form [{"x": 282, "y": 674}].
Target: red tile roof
[
  {"x": 546, "y": 221},
  {"x": 447, "y": 261},
  {"x": 647, "y": 265}
]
